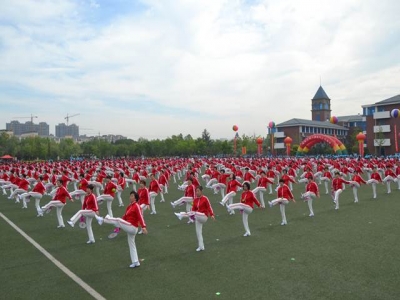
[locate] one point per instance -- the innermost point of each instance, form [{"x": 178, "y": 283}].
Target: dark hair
[
  {"x": 281, "y": 180},
  {"x": 136, "y": 195},
  {"x": 60, "y": 181},
  {"x": 143, "y": 181},
  {"x": 90, "y": 186},
  {"x": 40, "y": 177},
  {"x": 122, "y": 174},
  {"x": 337, "y": 173},
  {"x": 109, "y": 177},
  {"x": 82, "y": 175},
  {"x": 233, "y": 176},
  {"x": 200, "y": 188},
  {"x": 247, "y": 184},
  {"x": 190, "y": 178}
]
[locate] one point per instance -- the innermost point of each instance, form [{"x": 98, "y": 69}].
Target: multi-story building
[
  {"x": 382, "y": 130},
  {"x": 42, "y": 129},
  {"x": 299, "y": 129},
  {"x": 62, "y": 131}
]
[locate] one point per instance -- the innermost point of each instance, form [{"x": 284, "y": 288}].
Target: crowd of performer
[{"x": 101, "y": 181}]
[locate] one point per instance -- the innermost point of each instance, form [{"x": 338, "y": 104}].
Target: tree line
[{"x": 32, "y": 148}]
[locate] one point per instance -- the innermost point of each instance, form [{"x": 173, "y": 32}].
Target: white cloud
[{"x": 238, "y": 63}]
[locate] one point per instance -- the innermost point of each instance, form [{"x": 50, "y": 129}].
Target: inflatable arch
[{"x": 310, "y": 141}]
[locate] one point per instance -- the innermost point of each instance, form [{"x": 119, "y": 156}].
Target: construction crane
[
  {"x": 31, "y": 117},
  {"x": 68, "y": 117}
]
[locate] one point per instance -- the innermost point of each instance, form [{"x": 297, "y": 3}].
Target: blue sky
[{"x": 157, "y": 68}]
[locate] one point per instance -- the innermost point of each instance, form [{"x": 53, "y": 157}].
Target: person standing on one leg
[
  {"x": 200, "y": 212},
  {"x": 355, "y": 183},
  {"x": 262, "y": 187},
  {"x": 390, "y": 176},
  {"x": 375, "y": 179},
  {"x": 120, "y": 188},
  {"x": 109, "y": 194},
  {"x": 130, "y": 222},
  {"x": 89, "y": 210},
  {"x": 231, "y": 189},
  {"x": 245, "y": 206},
  {"x": 187, "y": 198},
  {"x": 37, "y": 193},
  {"x": 326, "y": 178},
  {"x": 337, "y": 188},
  {"x": 81, "y": 191},
  {"x": 284, "y": 196},
  {"x": 312, "y": 191},
  {"x": 154, "y": 189},
  {"x": 59, "y": 201}
]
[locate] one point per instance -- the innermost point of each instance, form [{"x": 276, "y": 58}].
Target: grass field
[{"x": 347, "y": 254}]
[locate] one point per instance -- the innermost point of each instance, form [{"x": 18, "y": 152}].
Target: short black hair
[
  {"x": 246, "y": 183},
  {"x": 136, "y": 195},
  {"x": 90, "y": 186}
]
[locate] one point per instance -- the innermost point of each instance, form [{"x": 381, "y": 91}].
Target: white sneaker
[
  {"x": 199, "y": 249},
  {"x": 153, "y": 213},
  {"x": 135, "y": 265},
  {"x": 162, "y": 200},
  {"x": 283, "y": 223},
  {"x": 311, "y": 215},
  {"x": 190, "y": 221},
  {"x": 179, "y": 216},
  {"x": 70, "y": 223},
  {"x": 172, "y": 204},
  {"x": 270, "y": 203},
  {"x": 90, "y": 242},
  {"x": 247, "y": 234},
  {"x": 100, "y": 220},
  {"x": 107, "y": 217},
  {"x": 336, "y": 208},
  {"x": 222, "y": 203},
  {"x": 61, "y": 226},
  {"x": 140, "y": 232},
  {"x": 121, "y": 205}
]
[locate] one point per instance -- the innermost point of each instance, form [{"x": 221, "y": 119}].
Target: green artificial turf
[{"x": 345, "y": 254}]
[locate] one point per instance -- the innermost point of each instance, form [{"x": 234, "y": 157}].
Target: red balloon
[{"x": 235, "y": 128}]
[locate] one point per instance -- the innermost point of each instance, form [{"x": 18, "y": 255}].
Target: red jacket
[
  {"x": 39, "y": 188},
  {"x": 337, "y": 183},
  {"x": 190, "y": 191},
  {"x": 249, "y": 199},
  {"x": 376, "y": 176},
  {"x": 110, "y": 189},
  {"x": 263, "y": 182},
  {"x": 143, "y": 196},
  {"x": 232, "y": 186},
  {"x": 23, "y": 184},
  {"x": 312, "y": 187},
  {"x": 83, "y": 184},
  {"x": 62, "y": 195},
  {"x": 202, "y": 205},
  {"x": 154, "y": 186},
  {"x": 357, "y": 178},
  {"x": 133, "y": 215},
  {"x": 90, "y": 203},
  {"x": 284, "y": 192}
]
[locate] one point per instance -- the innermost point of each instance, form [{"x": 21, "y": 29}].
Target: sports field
[{"x": 347, "y": 254}]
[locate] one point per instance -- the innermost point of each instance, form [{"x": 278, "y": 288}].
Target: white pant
[
  {"x": 260, "y": 190},
  {"x": 182, "y": 200},
  {"x": 109, "y": 199},
  {"x": 373, "y": 183},
  {"x": 336, "y": 195},
  {"x": 17, "y": 192},
  {"x": 80, "y": 193},
  {"x": 309, "y": 197},
  {"x": 282, "y": 203},
  {"x": 246, "y": 210},
  {"x": 59, "y": 205},
  {"x": 199, "y": 219},
  {"x": 131, "y": 233},
  {"x": 228, "y": 197},
  {"x": 35, "y": 195},
  {"x": 153, "y": 196},
  {"x": 89, "y": 215},
  {"x": 221, "y": 188}
]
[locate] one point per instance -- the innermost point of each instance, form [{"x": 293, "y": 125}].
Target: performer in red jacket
[
  {"x": 109, "y": 194},
  {"x": 312, "y": 191},
  {"x": 355, "y": 183},
  {"x": 231, "y": 190},
  {"x": 327, "y": 176},
  {"x": 130, "y": 222},
  {"x": 188, "y": 197},
  {"x": 120, "y": 188},
  {"x": 154, "y": 189},
  {"x": 390, "y": 176},
  {"x": 262, "y": 187},
  {"x": 245, "y": 206},
  {"x": 337, "y": 188},
  {"x": 375, "y": 179},
  {"x": 200, "y": 212},
  {"x": 284, "y": 195},
  {"x": 59, "y": 201},
  {"x": 23, "y": 186},
  {"x": 89, "y": 210},
  {"x": 37, "y": 193}
]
